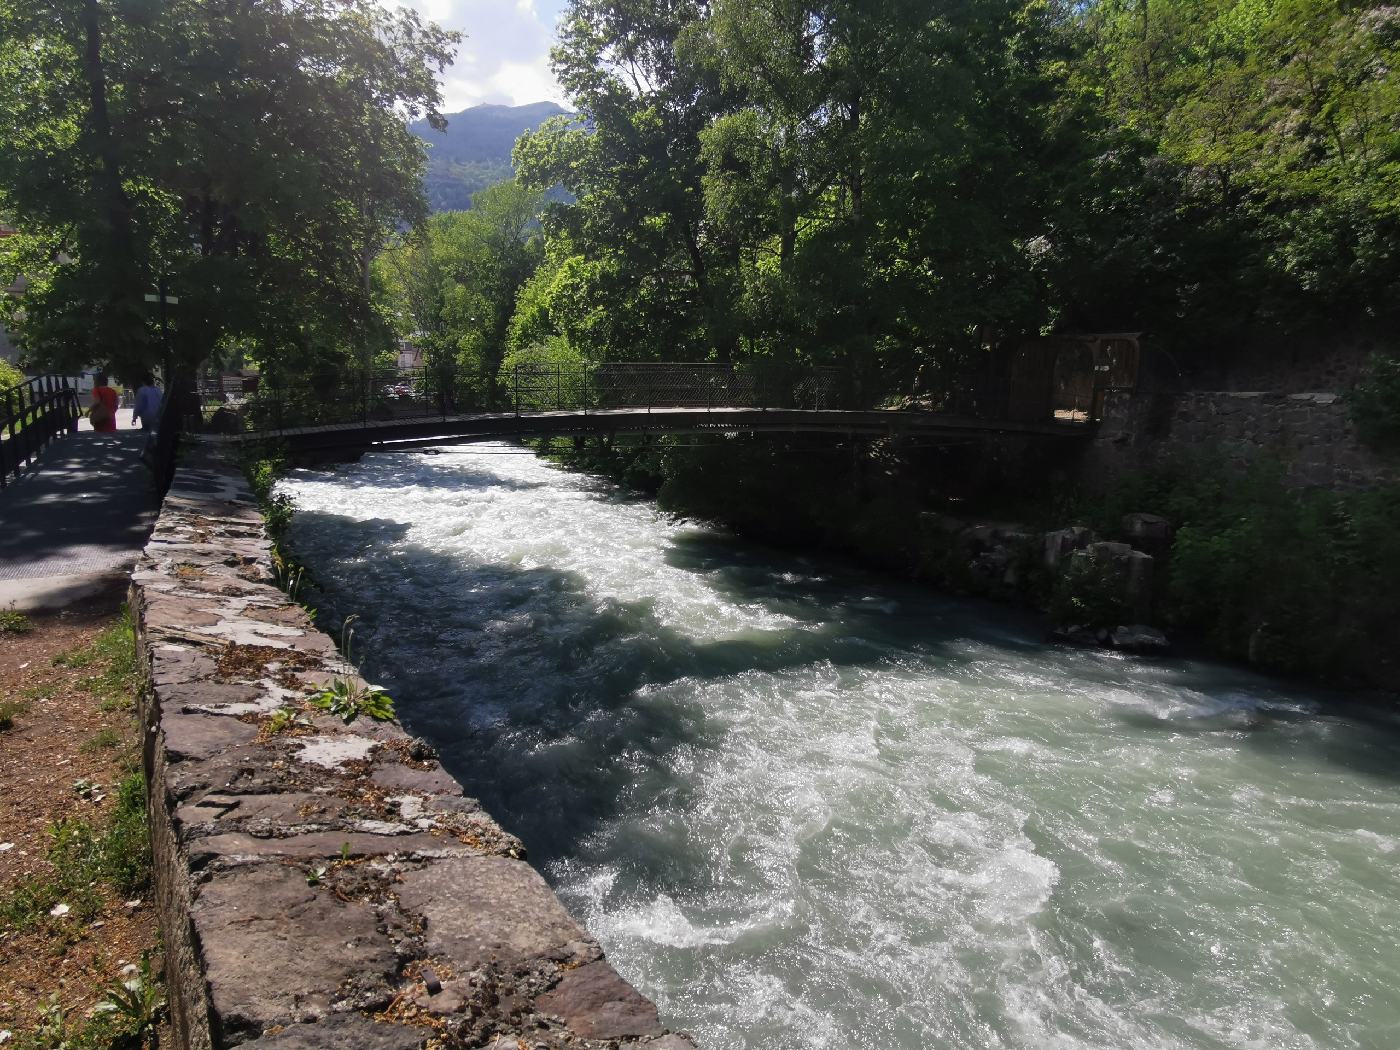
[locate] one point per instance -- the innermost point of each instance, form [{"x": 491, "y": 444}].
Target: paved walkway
[{"x": 76, "y": 522}]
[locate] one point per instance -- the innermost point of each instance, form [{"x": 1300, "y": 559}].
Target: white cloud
[{"x": 504, "y": 56}]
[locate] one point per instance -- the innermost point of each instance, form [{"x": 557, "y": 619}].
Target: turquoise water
[{"x": 805, "y": 807}]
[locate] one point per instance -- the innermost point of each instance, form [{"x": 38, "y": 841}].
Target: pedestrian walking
[
  {"x": 103, "y": 414},
  {"x": 147, "y": 409}
]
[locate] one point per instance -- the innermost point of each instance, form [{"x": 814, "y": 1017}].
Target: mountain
[{"x": 474, "y": 151}]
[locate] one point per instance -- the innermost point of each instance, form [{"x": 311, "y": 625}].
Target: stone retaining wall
[
  {"x": 329, "y": 885},
  {"x": 1310, "y": 435}
]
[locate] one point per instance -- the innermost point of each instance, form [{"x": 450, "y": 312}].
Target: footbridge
[{"x": 405, "y": 410}]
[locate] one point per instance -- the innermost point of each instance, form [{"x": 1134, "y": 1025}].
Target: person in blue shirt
[{"x": 147, "y": 410}]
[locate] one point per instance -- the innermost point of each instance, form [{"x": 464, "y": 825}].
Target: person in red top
[{"x": 104, "y": 405}]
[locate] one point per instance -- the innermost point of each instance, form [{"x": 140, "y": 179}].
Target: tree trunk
[{"x": 118, "y": 208}]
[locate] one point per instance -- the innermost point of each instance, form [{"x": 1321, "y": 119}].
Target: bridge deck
[
  {"x": 408, "y": 433},
  {"x": 80, "y": 515}
]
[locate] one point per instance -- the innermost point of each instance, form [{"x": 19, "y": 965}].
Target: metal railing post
[
  {"x": 27, "y": 434},
  {"x": 9, "y": 445}
]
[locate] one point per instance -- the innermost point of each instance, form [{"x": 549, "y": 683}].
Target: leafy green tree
[
  {"x": 1268, "y": 126},
  {"x": 630, "y": 158},
  {"x": 452, "y": 286},
  {"x": 816, "y": 180},
  {"x": 250, "y": 157},
  {"x": 898, "y": 162}
]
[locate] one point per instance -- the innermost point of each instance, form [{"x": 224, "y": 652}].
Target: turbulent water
[{"x": 803, "y": 807}]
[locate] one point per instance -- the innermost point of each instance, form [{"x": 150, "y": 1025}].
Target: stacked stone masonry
[
  {"x": 1310, "y": 436},
  {"x": 329, "y": 885}
]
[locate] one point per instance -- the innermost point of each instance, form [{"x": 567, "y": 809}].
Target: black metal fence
[
  {"x": 31, "y": 415},
  {"x": 428, "y": 393}
]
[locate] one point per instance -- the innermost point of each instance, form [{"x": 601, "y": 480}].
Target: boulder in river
[
  {"x": 1139, "y": 638},
  {"x": 1057, "y": 545},
  {"x": 1076, "y": 634},
  {"x": 1148, "y": 530}
]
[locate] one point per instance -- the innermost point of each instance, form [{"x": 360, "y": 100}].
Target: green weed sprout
[{"x": 347, "y": 701}]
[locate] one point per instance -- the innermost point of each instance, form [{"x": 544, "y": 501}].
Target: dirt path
[{"x": 74, "y": 911}]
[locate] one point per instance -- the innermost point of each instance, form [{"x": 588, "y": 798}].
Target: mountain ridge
[{"x": 474, "y": 151}]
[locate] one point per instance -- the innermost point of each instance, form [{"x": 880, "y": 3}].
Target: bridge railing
[
  {"x": 373, "y": 397},
  {"x": 32, "y": 414}
]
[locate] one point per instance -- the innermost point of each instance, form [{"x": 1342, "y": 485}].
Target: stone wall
[
  {"x": 323, "y": 884},
  {"x": 1334, "y": 362},
  {"x": 1310, "y": 435}
]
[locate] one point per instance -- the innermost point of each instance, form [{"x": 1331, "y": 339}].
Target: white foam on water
[{"x": 804, "y": 808}]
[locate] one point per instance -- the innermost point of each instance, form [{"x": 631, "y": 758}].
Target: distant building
[{"x": 409, "y": 355}]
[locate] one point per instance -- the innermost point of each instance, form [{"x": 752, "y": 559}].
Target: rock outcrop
[{"x": 1110, "y": 581}]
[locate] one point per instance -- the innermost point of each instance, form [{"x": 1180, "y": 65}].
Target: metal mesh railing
[
  {"x": 374, "y": 397},
  {"x": 31, "y": 415}
]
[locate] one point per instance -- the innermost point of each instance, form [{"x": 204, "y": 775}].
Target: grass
[
  {"x": 9, "y": 711},
  {"x": 12, "y": 622},
  {"x": 97, "y": 856},
  {"x": 114, "y": 653},
  {"x": 103, "y": 739},
  {"x": 85, "y": 858}
]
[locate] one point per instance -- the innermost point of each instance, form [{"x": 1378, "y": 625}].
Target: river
[{"x": 802, "y": 806}]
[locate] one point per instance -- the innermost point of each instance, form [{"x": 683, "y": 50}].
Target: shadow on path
[{"x": 87, "y": 506}]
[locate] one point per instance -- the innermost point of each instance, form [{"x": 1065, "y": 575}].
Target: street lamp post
[{"x": 165, "y": 300}]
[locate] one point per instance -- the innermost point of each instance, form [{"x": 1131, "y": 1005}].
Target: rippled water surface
[{"x": 804, "y": 807}]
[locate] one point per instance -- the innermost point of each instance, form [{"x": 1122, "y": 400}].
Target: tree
[
  {"x": 630, "y": 157},
  {"x": 250, "y": 157},
  {"x": 453, "y": 285},
  {"x": 1268, "y": 159},
  {"x": 831, "y": 180}
]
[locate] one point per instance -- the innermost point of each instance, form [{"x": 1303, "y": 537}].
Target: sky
[{"x": 504, "y": 54}]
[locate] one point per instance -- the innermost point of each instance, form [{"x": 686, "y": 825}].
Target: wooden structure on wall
[{"x": 1064, "y": 378}]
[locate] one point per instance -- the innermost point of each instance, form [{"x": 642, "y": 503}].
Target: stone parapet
[{"x": 323, "y": 884}]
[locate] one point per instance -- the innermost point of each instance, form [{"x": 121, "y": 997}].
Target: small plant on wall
[{"x": 347, "y": 701}]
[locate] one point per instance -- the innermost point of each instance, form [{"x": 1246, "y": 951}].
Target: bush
[
  {"x": 1088, "y": 594},
  {"x": 263, "y": 466},
  {"x": 1294, "y": 581},
  {"x": 9, "y": 375},
  {"x": 1375, "y": 404},
  {"x": 547, "y": 375}
]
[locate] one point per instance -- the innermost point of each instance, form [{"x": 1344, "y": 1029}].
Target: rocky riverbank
[
  {"x": 1237, "y": 561},
  {"x": 1099, "y": 592}
]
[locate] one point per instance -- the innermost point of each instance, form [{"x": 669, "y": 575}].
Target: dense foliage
[
  {"x": 898, "y": 185},
  {"x": 1375, "y": 404},
  {"x": 894, "y": 185},
  {"x": 250, "y": 158},
  {"x": 1297, "y": 581},
  {"x": 452, "y": 285},
  {"x": 1259, "y": 160}
]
